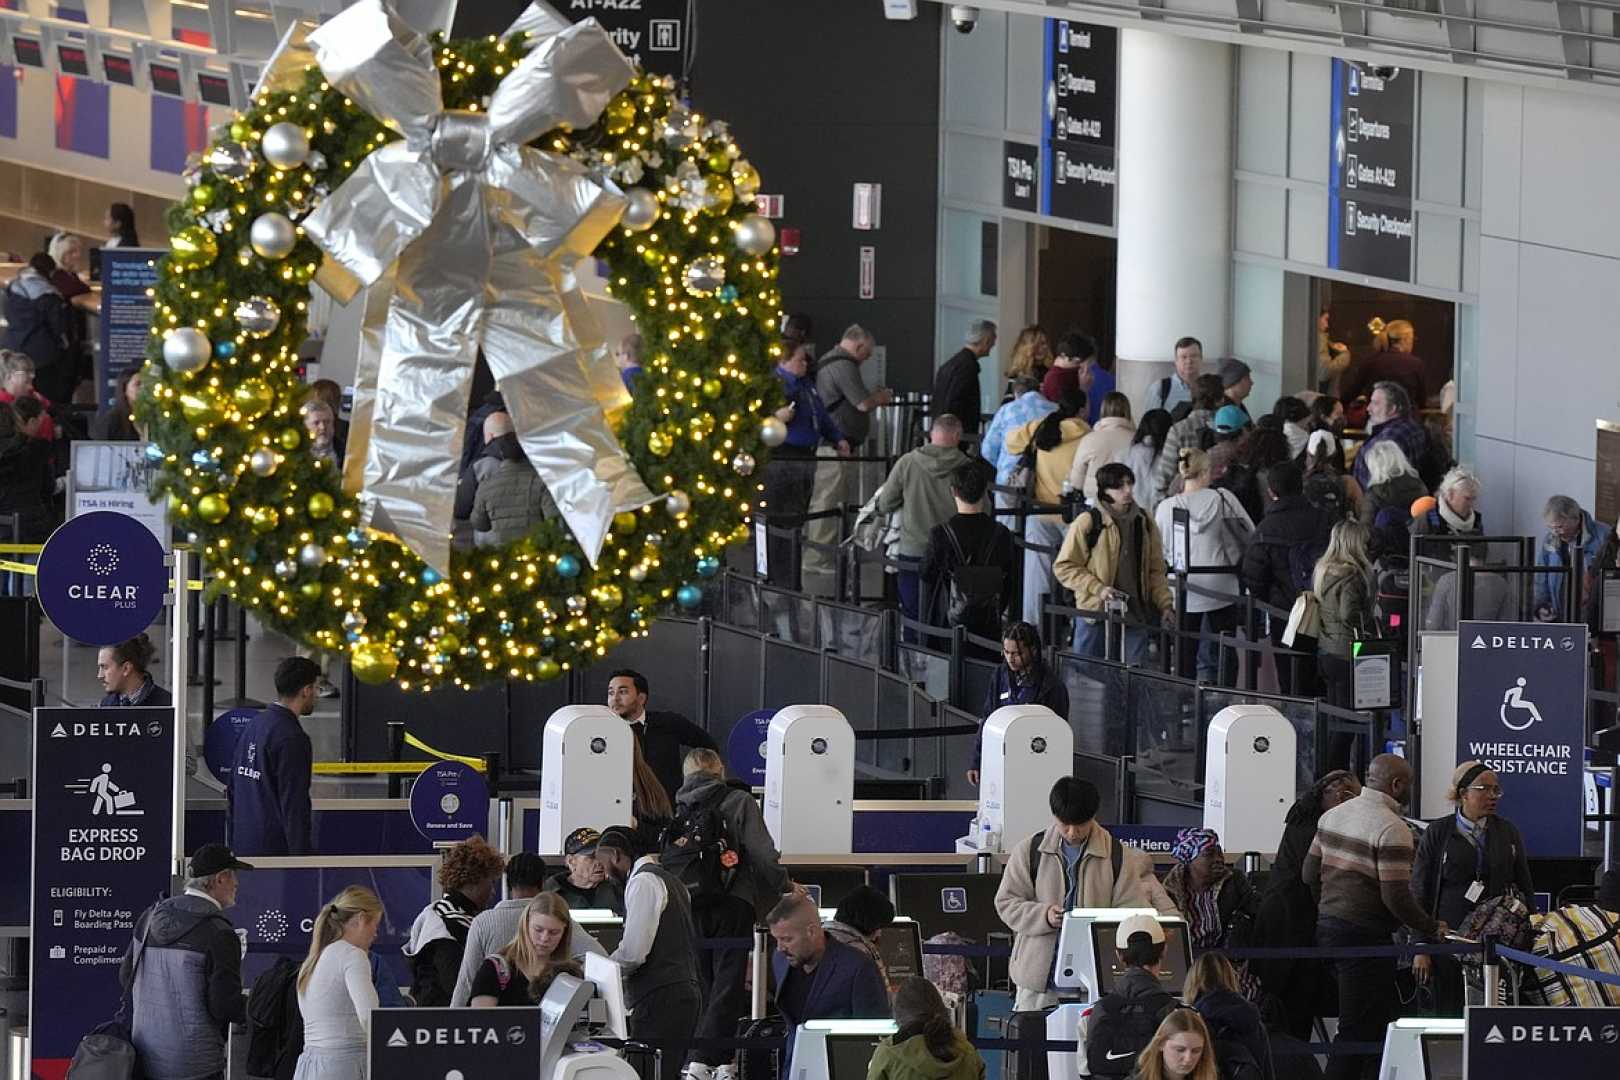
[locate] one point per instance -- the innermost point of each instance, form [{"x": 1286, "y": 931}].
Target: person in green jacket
[
  {"x": 926, "y": 1045},
  {"x": 1343, "y": 584},
  {"x": 919, "y": 486}
]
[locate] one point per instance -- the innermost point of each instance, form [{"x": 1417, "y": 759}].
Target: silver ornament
[
  {"x": 755, "y": 234},
  {"x": 772, "y": 432},
  {"x": 354, "y": 622},
  {"x": 654, "y": 539},
  {"x": 285, "y": 145},
  {"x": 576, "y": 604},
  {"x": 679, "y": 129},
  {"x": 317, "y": 162},
  {"x": 703, "y": 276},
  {"x": 262, "y": 462},
  {"x": 286, "y": 569},
  {"x": 677, "y": 502},
  {"x": 638, "y": 573},
  {"x": 226, "y": 481},
  {"x": 186, "y": 349},
  {"x": 314, "y": 556},
  {"x": 231, "y": 160},
  {"x": 743, "y": 464},
  {"x": 272, "y": 235},
  {"x": 641, "y": 211},
  {"x": 216, "y": 220},
  {"x": 258, "y": 316}
]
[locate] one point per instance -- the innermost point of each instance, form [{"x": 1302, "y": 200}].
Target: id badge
[{"x": 1475, "y": 891}]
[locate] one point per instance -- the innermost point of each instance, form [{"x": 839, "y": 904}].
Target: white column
[{"x": 1175, "y": 202}]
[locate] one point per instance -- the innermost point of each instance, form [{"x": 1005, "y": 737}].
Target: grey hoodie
[
  {"x": 765, "y": 881},
  {"x": 919, "y": 487}
]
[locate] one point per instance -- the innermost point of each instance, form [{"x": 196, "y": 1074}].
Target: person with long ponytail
[
  {"x": 335, "y": 990},
  {"x": 926, "y": 1045}
]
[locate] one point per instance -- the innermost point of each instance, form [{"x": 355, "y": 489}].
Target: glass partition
[
  {"x": 851, "y": 688},
  {"x": 851, "y": 631},
  {"x": 894, "y": 714},
  {"x": 1300, "y": 712},
  {"x": 790, "y": 616},
  {"x": 742, "y": 653},
  {"x": 792, "y": 674},
  {"x": 1165, "y": 713},
  {"x": 739, "y": 602},
  {"x": 930, "y": 668},
  {"x": 1096, "y": 704}
]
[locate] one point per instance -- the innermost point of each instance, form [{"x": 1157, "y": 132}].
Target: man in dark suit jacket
[
  {"x": 818, "y": 978},
  {"x": 664, "y": 736},
  {"x": 956, "y": 383}
]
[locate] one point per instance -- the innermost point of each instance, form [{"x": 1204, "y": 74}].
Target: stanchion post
[
  {"x": 759, "y": 961},
  {"x": 396, "y": 749},
  {"x": 1493, "y": 975},
  {"x": 180, "y": 646}
]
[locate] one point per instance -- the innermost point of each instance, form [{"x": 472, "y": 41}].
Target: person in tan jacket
[
  {"x": 1113, "y": 553},
  {"x": 1077, "y": 864}
]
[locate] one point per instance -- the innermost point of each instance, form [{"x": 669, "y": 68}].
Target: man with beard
[{"x": 818, "y": 978}]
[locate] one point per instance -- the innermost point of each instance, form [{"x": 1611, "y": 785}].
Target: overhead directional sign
[
  {"x": 1370, "y": 218},
  {"x": 1078, "y": 174}
]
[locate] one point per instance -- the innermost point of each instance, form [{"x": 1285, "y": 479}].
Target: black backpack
[
  {"x": 697, "y": 847},
  {"x": 1233, "y": 1058},
  {"x": 975, "y": 586},
  {"x": 1302, "y": 560},
  {"x": 275, "y": 1026},
  {"x": 1121, "y": 1029}
]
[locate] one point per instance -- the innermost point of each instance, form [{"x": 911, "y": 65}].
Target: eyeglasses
[{"x": 1487, "y": 789}]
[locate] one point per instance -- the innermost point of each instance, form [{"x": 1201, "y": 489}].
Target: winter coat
[
  {"x": 1031, "y": 405},
  {"x": 763, "y": 881},
  {"x": 1289, "y": 522},
  {"x": 1231, "y": 1018},
  {"x": 1107, "y": 443},
  {"x": 956, "y": 390},
  {"x": 1187, "y": 432},
  {"x": 36, "y": 320},
  {"x": 1236, "y": 903},
  {"x": 984, "y": 541},
  {"x": 1022, "y": 903},
  {"x": 1434, "y": 523},
  {"x": 1550, "y": 587},
  {"x": 27, "y": 486},
  {"x": 919, "y": 486},
  {"x": 1447, "y": 865},
  {"x": 604, "y": 895},
  {"x": 912, "y": 1060},
  {"x": 1410, "y": 436},
  {"x": 438, "y": 939},
  {"x": 1218, "y": 531},
  {"x": 188, "y": 990},
  {"x": 512, "y": 499},
  {"x": 1347, "y": 612},
  {"x": 1087, "y": 570},
  {"x": 1393, "y": 501},
  {"x": 1051, "y": 466}
]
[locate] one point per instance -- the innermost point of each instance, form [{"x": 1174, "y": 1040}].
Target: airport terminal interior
[{"x": 507, "y": 570}]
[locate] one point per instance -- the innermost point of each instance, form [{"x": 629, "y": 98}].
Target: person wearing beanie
[{"x": 1238, "y": 382}]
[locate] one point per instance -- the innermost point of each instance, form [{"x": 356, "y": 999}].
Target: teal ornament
[
  {"x": 358, "y": 539},
  {"x": 728, "y": 293},
  {"x": 154, "y": 452},
  {"x": 225, "y": 349},
  {"x": 568, "y": 566},
  {"x": 430, "y": 576},
  {"x": 689, "y": 596},
  {"x": 202, "y": 459},
  {"x": 708, "y": 566}
]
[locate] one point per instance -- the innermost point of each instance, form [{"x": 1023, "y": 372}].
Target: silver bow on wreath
[{"x": 467, "y": 239}]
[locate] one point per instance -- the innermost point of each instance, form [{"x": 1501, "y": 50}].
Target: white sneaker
[{"x": 696, "y": 1070}]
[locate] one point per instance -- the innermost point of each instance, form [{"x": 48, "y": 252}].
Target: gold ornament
[
  {"x": 200, "y": 408},
  {"x": 713, "y": 388},
  {"x": 624, "y": 522},
  {"x": 193, "y": 248},
  {"x": 253, "y": 398},
  {"x": 619, "y": 115},
  {"x": 546, "y": 670},
  {"x": 321, "y": 505},
  {"x": 311, "y": 590},
  {"x": 659, "y": 444},
  {"x": 744, "y": 178},
  {"x": 289, "y": 439},
  {"x": 608, "y": 597},
  {"x": 264, "y": 519},
  {"x": 373, "y": 662},
  {"x": 720, "y": 196},
  {"x": 213, "y": 508},
  {"x": 718, "y": 161}
]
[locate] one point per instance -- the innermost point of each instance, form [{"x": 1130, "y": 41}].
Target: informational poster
[
  {"x": 1078, "y": 176},
  {"x": 1372, "y": 669},
  {"x": 1180, "y": 540},
  {"x": 1370, "y": 217},
  {"x": 126, "y": 315},
  {"x": 102, "y": 579},
  {"x": 1541, "y": 1041},
  {"x": 116, "y": 476},
  {"x": 432, "y": 1044},
  {"x": 1521, "y": 710},
  {"x": 450, "y": 802},
  {"x": 1020, "y": 184},
  {"x": 103, "y": 815}
]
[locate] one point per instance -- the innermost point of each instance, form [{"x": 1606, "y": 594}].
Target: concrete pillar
[{"x": 1175, "y": 203}]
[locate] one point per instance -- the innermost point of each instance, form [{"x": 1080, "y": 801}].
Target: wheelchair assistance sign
[{"x": 1521, "y": 711}]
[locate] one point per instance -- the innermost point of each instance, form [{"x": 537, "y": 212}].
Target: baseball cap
[
  {"x": 1138, "y": 924},
  {"x": 210, "y": 859},
  {"x": 1230, "y": 419},
  {"x": 581, "y": 841},
  {"x": 1233, "y": 372}
]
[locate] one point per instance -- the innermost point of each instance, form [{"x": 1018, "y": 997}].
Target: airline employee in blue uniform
[{"x": 269, "y": 809}]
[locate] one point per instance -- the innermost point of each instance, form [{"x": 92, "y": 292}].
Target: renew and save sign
[{"x": 1521, "y": 710}]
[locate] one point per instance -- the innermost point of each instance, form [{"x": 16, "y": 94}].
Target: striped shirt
[{"x": 1363, "y": 852}]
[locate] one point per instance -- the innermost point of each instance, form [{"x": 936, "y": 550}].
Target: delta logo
[{"x": 467, "y": 1035}]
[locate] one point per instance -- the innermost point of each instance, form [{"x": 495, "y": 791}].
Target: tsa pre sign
[
  {"x": 1521, "y": 710},
  {"x": 450, "y": 802},
  {"x": 103, "y": 810}
]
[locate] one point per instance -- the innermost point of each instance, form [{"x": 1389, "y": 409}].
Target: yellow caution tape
[
  {"x": 414, "y": 742},
  {"x": 30, "y": 568},
  {"x": 22, "y": 549}
]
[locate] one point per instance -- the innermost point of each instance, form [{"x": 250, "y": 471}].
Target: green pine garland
[{"x": 287, "y": 544}]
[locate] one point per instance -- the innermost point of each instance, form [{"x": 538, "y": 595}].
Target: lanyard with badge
[{"x": 1477, "y": 889}]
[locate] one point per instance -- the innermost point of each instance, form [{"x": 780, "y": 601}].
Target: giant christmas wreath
[{"x": 222, "y": 396}]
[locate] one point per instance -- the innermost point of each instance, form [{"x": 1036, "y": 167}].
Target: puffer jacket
[
  {"x": 1289, "y": 522},
  {"x": 188, "y": 990},
  {"x": 36, "y": 319},
  {"x": 1022, "y": 903},
  {"x": 1347, "y": 612},
  {"x": 1051, "y": 466},
  {"x": 911, "y": 1059},
  {"x": 919, "y": 486},
  {"x": 1086, "y": 570},
  {"x": 512, "y": 499}
]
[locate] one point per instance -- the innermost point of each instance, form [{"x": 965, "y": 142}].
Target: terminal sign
[
  {"x": 1370, "y": 216},
  {"x": 1020, "y": 180},
  {"x": 1078, "y": 174}
]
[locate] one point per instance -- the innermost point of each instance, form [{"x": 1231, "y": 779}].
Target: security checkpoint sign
[
  {"x": 1541, "y": 1041},
  {"x": 435, "y": 1043},
  {"x": 450, "y": 802},
  {"x": 745, "y": 747},
  {"x": 103, "y": 812},
  {"x": 102, "y": 579},
  {"x": 1521, "y": 710}
]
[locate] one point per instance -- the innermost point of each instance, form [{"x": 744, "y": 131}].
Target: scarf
[{"x": 1457, "y": 524}]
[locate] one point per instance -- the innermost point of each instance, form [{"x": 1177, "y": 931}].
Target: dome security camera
[{"x": 964, "y": 17}]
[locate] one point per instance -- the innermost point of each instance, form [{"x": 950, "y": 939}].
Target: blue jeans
[
  {"x": 909, "y": 585},
  {"x": 1090, "y": 636}
]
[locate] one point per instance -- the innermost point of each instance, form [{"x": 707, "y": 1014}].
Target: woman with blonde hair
[
  {"x": 1031, "y": 355},
  {"x": 1180, "y": 1050},
  {"x": 1242, "y": 1048},
  {"x": 335, "y": 990},
  {"x": 1343, "y": 584},
  {"x": 542, "y": 949}
]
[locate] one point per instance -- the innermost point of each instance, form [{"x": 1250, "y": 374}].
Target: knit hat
[
  {"x": 1233, "y": 372},
  {"x": 1230, "y": 420},
  {"x": 1191, "y": 843}
]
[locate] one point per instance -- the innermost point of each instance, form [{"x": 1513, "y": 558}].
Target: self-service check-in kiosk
[
  {"x": 573, "y": 1012},
  {"x": 1087, "y": 967},
  {"x": 1424, "y": 1047},
  {"x": 1249, "y": 776},
  {"x": 585, "y": 773},
  {"x": 810, "y": 780},
  {"x": 1026, "y": 748},
  {"x": 836, "y": 1049}
]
